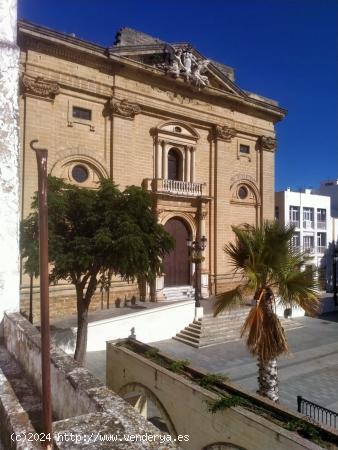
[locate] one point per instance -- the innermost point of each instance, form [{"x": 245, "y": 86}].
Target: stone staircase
[
  {"x": 226, "y": 327},
  {"x": 178, "y": 293}
]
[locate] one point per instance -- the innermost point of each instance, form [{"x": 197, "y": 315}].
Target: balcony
[
  {"x": 321, "y": 249},
  {"x": 175, "y": 187},
  {"x": 310, "y": 249},
  {"x": 321, "y": 225},
  {"x": 308, "y": 224},
  {"x": 294, "y": 223}
]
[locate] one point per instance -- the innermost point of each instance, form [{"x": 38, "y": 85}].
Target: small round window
[
  {"x": 242, "y": 192},
  {"x": 80, "y": 173}
]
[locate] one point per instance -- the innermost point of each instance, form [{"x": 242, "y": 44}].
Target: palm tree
[{"x": 269, "y": 269}]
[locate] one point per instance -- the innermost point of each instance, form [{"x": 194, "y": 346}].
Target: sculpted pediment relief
[{"x": 183, "y": 62}]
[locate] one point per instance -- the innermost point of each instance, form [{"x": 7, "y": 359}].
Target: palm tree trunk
[{"x": 268, "y": 379}]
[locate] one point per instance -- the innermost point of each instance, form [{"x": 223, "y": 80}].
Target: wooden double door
[{"x": 176, "y": 263}]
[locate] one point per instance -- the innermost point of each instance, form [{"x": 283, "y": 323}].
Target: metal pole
[
  {"x": 334, "y": 275},
  {"x": 197, "y": 291},
  {"x": 299, "y": 403},
  {"x": 31, "y": 298},
  {"x": 41, "y": 158}
]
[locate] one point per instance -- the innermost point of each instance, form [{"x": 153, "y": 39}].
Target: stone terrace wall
[
  {"x": 186, "y": 404},
  {"x": 84, "y": 406}
]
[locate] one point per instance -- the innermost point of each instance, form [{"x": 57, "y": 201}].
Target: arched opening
[
  {"x": 223, "y": 446},
  {"x": 174, "y": 165},
  {"x": 149, "y": 406},
  {"x": 176, "y": 263}
]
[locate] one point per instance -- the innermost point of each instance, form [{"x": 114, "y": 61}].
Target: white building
[
  {"x": 330, "y": 188},
  {"x": 310, "y": 214}
]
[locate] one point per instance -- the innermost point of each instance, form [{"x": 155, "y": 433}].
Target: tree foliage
[
  {"x": 95, "y": 232},
  {"x": 270, "y": 270}
]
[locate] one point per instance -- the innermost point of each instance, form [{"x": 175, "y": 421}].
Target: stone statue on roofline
[{"x": 182, "y": 62}]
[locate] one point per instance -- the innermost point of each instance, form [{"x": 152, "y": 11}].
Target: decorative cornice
[
  {"x": 40, "y": 87},
  {"x": 267, "y": 143},
  {"x": 124, "y": 108},
  {"x": 224, "y": 133}
]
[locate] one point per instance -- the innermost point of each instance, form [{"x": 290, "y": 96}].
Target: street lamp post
[
  {"x": 196, "y": 248},
  {"x": 41, "y": 158},
  {"x": 334, "y": 273}
]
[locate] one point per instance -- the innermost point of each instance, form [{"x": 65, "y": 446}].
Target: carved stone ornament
[
  {"x": 225, "y": 133},
  {"x": 124, "y": 108},
  {"x": 183, "y": 63},
  {"x": 267, "y": 143},
  {"x": 40, "y": 86}
]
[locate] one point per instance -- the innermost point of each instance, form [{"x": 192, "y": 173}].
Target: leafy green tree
[
  {"x": 270, "y": 269},
  {"x": 95, "y": 232}
]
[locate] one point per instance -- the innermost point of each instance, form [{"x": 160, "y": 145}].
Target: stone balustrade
[{"x": 176, "y": 187}]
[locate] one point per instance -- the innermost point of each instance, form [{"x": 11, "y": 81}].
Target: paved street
[{"x": 310, "y": 370}]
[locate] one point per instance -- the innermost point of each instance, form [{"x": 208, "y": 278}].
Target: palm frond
[
  {"x": 228, "y": 300},
  {"x": 300, "y": 288},
  {"x": 253, "y": 326},
  {"x": 266, "y": 338}
]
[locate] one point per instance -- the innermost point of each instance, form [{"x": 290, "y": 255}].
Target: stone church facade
[{"x": 147, "y": 113}]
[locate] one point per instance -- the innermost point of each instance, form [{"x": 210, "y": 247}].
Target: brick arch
[
  {"x": 149, "y": 395},
  {"x": 96, "y": 170},
  {"x": 185, "y": 217},
  {"x": 66, "y": 153},
  {"x": 223, "y": 446},
  {"x": 254, "y": 194}
]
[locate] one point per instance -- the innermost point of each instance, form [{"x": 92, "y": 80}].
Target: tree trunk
[
  {"x": 82, "y": 331},
  {"x": 268, "y": 379},
  {"x": 83, "y": 302}
]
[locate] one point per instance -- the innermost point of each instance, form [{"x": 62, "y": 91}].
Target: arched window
[{"x": 174, "y": 165}]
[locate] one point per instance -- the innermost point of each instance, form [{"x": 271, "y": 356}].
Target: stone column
[
  {"x": 158, "y": 162},
  {"x": 9, "y": 159},
  {"x": 192, "y": 165},
  {"x": 187, "y": 163},
  {"x": 164, "y": 160}
]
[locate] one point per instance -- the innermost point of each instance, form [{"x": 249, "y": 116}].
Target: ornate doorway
[{"x": 176, "y": 263}]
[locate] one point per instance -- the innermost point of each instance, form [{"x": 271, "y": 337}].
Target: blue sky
[{"x": 283, "y": 49}]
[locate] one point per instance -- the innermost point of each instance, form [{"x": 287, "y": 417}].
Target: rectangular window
[
  {"x": 294, "y": 215},
  {"x": 321, "y": 242},
  {"x": 244, "y": 149},
  {"x": 277, "y": 212},
  {"x": 308, "y": 217},
  {"x": 308, "y": 243},
  {"x": 321, "y": 218},
  {"x": 295, "y": 240},
  {"x": 82, "y": 113}
]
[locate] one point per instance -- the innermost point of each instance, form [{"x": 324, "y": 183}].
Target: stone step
[
  {"x": 195, "y": 326},
  {"x": 180, "y": 339},
  {"x": 191, "y": 333},
  {"x": 229, "y": 316},
  {"x": 187, "y": 337},
  {"x": 221, "y": 329}
]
